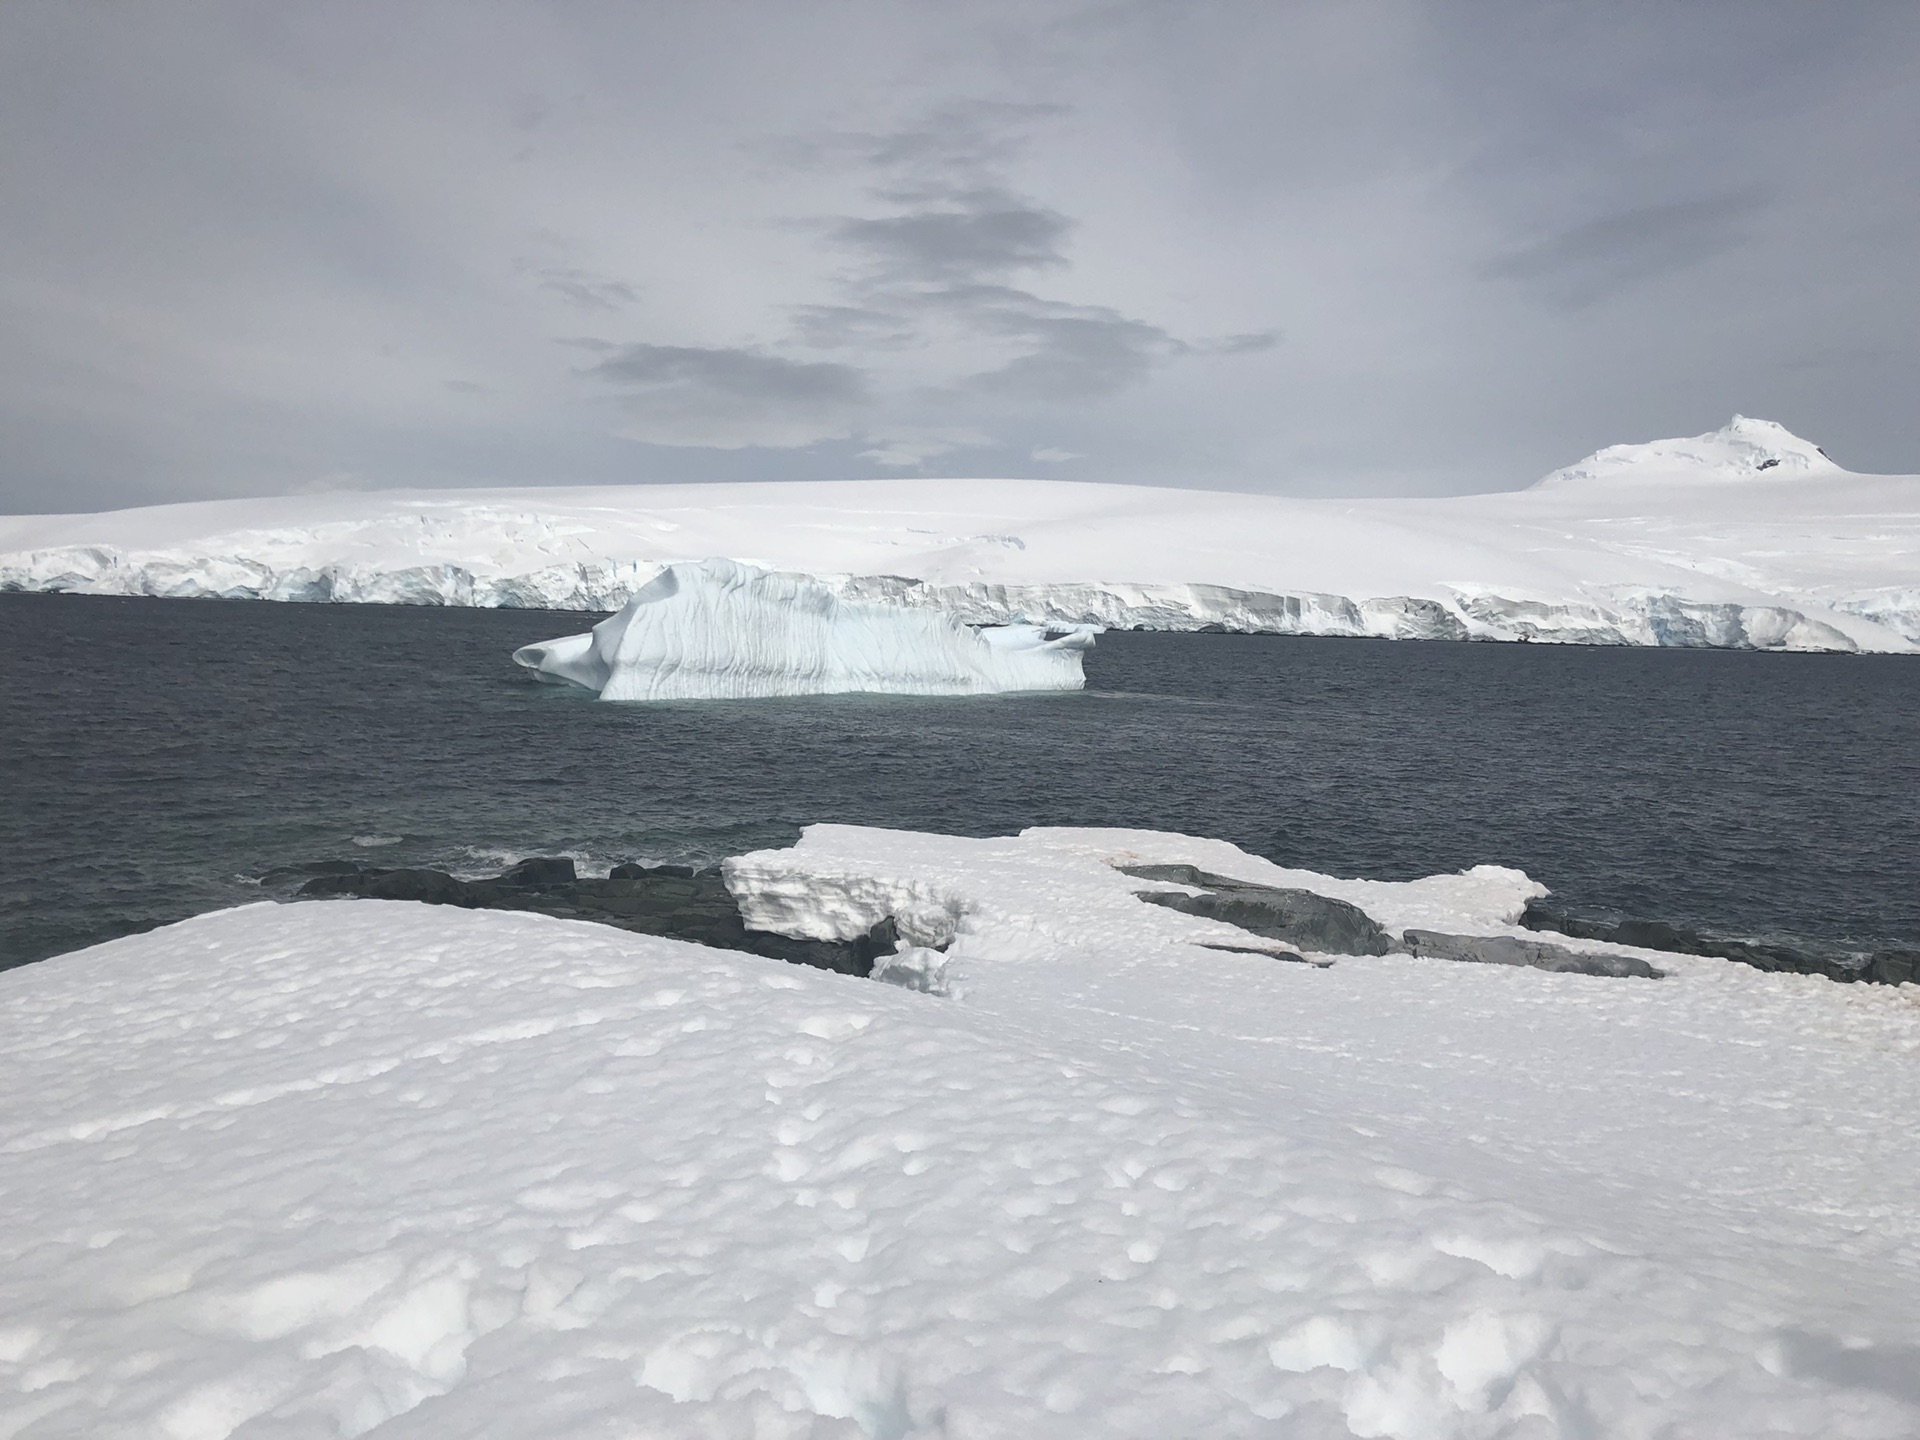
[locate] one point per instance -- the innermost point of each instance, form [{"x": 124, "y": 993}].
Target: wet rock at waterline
[
  {"x": 669, "y": 900},
  {"x": 1883, "y": 967}
]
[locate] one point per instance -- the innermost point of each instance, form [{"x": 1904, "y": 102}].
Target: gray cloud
[
  {"x": 1070, "y": 352},
  {"x": 849, "y": 327},
  {"x": 730, "y": 398},
  {"x": 970, "y": 235},
  {"x": 587, "y": 290},
  {"x": 942, "y": 263},
  {"x": 1592, "y": 260},
  {"x": 1253, "y": 342},
  {"x": 247, "y": 247},
  {"x": 949, "y": 137},
  {"x": 1078, "y": 358}
]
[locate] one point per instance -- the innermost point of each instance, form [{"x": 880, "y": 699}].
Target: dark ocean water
[{"x": 157, "y": 753}]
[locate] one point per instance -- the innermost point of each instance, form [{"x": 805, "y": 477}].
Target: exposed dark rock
[
  {"x": 433, "y": 887},
  {"x": 1298, "y": 917},
  {"x": 1292, "y": 956},
  {"x": 885, "y": 938},
  {"x": 1894, "y": 967},
  {"x": 1762, "y": 955},
  {"x": 281, "y": 874},
  {"x": 430, "y": 887},
  {"x": 668, "y": 900},
  {"x": 540, "y": 871},
  {"x": 1536, "y": 954}
]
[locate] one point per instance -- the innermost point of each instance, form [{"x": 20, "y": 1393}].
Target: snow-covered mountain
[
  {"x": 1746, "y": 537},
  {"x": 1744, "y": 449},
  {"x": 371, "y": 1168}
]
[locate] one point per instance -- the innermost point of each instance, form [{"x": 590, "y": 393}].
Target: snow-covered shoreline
[
  {"x": 363, "y": 1167},
  {"x": 1748, "y": 537}
]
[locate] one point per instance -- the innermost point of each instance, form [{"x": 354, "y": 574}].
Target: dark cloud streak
[
  {"x": 980, "y": 233},
  {"x": 587, "y": 290},
  {"x": 729, "y": 398},
  {"x": 1590, "y": 261}
]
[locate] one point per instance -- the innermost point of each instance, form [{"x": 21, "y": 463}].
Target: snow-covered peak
[{"x": 1742, "y": 449}]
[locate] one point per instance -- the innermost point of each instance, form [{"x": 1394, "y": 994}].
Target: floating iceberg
[{"x": 717, "y": 630}]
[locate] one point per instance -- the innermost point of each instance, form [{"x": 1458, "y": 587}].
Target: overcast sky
[{"x": 1341, "y": 248}]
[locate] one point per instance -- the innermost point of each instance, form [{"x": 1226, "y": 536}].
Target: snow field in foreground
[{"x": 365, "y": 1167}]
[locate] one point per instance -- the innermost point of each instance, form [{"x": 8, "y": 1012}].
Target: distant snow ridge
[
  {"x": 1747, "y": 537},
  {"x": 718, "y": 630}
]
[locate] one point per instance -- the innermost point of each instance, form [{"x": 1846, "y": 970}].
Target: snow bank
[
  {"x": 1746, "y": 537},
  {"x": 717, "y": 630},
  {"x": 1050, "y": 889},
  {"x": 373, "y": 1168}
]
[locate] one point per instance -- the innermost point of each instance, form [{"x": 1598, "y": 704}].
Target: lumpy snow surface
[
  {"x": 371, "y": 1168},
  {"x": 718, "y": 630},
  {"x": 1746, "y": 537}
]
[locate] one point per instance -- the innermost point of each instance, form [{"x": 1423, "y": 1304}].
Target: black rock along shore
[
  {"x": 1883, "y": 967},
  {"x": 670, "y": 900},
  {"x": 681, "y": 903}
]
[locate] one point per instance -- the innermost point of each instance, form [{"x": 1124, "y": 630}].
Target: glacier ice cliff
[
  {"x": 1627, "y": 619},
  {"x": 718, "y": 630},
  {"x": 1747, "y": 537}
]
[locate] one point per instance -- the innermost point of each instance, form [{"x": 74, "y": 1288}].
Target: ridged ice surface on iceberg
[
  {"x": 718, "y": 631},
  {"x": 1747, "y": 537}
]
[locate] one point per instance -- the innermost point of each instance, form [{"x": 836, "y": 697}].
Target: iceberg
[{"x": 718, "y": 630}]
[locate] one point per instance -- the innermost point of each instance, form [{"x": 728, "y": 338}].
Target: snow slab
[
  {"x": 717, "y": 630},
  {"x": 1746, "y": 537},
  {"x": 370, "y": 1168}
]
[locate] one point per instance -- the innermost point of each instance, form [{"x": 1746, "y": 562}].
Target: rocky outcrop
[
  {"x": 669, "y": 900},
  {"x": 1882, "y": 967},
  {"x": 1516, "y": 950},
  {"x": 1321, "y": 925},
  {"x": 1298, "y": 917}
]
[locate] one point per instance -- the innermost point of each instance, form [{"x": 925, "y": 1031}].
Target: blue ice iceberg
[{"x": 721, "y": 630}]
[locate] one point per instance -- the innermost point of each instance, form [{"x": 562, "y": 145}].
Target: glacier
[
  {"x": 718, "y": 630},
  {"x": 1746, "y": 537},
  {"x": 367, "y": 1167}
]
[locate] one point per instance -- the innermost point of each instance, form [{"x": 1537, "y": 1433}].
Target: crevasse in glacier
[{"x": 721, "y": 630}]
